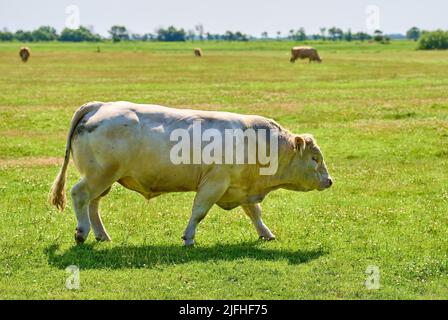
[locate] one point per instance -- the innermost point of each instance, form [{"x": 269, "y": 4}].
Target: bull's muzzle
[{"x": 327, "y": 183}]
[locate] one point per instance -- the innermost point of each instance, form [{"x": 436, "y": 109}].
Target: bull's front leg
[
  {"x": 254, "y": 213},
  {"x": 209, "y": 192}
]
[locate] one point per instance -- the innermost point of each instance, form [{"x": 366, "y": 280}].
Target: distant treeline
[
  {"x": 47, "y": 33},
  {"x": 119, "y": 33}
]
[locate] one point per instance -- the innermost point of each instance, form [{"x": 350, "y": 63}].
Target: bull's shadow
[{"x": 91, "y": 256}]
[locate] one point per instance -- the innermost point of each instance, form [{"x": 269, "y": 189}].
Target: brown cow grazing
[
  {"x": 24, "y": 53},
  {"x": 303, "y": 53},
  {"x": 198, "y": 52}
]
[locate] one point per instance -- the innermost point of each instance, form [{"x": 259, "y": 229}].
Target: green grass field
[{"x": 379, "y": 112}]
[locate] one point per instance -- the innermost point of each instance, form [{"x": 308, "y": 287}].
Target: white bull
[{"x": 132, "y": 144}]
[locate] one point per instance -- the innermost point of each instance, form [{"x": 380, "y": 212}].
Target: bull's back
[{"x": 135, "y": 140}]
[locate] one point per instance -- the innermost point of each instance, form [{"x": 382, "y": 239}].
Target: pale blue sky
[{"x": 249, "y": 16}]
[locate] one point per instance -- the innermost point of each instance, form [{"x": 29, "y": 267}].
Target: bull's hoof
[
  {"x": 188, "y": 242},
  {"x": 79, "y": 238},
  {"x": 103, "y": 239},
  {"x": 267, "y": 238}
]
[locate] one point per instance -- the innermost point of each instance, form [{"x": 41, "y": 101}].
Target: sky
[{"x": 249, "y": 16}]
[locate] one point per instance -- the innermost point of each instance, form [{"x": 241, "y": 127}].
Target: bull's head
[{"x": 308, "y": 169}]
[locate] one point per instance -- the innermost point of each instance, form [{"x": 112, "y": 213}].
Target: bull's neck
[{"x": 282, "y": 176}]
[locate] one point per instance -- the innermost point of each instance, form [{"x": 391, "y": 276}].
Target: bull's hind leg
[
  {"x": 83, "y": 193},
  {"x": 81, "y": 200},
  {"x": 254, "y": 213},
  {"x": 95, "y": 219}
]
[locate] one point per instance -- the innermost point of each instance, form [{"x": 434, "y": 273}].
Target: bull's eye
[{"x": 315, "y": 159}]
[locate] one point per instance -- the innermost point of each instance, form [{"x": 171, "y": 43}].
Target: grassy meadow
[{"x": 379, "y": 113}]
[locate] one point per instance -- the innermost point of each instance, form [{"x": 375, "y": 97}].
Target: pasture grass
[{"x": 379, "y": 112}]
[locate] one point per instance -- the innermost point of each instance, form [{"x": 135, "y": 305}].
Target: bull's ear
[{"x": 299, "y": 144}]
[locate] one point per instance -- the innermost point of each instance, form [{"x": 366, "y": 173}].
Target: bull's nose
[{"x": 330, "y": 182}]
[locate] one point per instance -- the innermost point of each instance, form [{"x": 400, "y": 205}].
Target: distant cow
[
  {"x": 304, "y": 53},
  {"x": 24, "y": 54},
  {"x": 198, "y": 52}
]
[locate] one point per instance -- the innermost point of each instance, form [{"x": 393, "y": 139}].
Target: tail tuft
[{"x": 57, "y": 195}]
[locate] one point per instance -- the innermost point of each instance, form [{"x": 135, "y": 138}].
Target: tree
[
  {"x": 78, "y": 35},
  {"x": 24, "y": 36},
  {"x": 348, "y": 36},
  {"x": 44, "y": 33},
  {"x": 190, "y": 35},
  {"x": 299, "y": 35},
  {"x": 264, "y": 35},
  {"x": 413, "y": 34},
  {"x": 235, "y": 36},
  {"x": 434, "y": 40},
  {"x": 335, "y": 33},
  {"x": 279, "y": 33},
  {"x": 361, "y": 36},
  {"x": 149, "y": 37},
  {"x": 119, "y": 33},
  {"x": 228, "y": 36},
  {"x": 378, "y": 36},
  {"x": 5, "y": 35},
  {"x": 323, "y": 32},
  {"x": 137, "y": 37},
  {"x": 200, "y": 30},
  {"x": 291, "y": 34},
  {"x": 171, "y": 34},
  {"x": 239, "y": 36}
]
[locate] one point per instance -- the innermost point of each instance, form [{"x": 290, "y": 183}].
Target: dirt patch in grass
[
  {"x": 29, "y": 162},
  {"x": 399, "y": 125}
]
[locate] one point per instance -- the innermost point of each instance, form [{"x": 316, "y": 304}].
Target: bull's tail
[{"x": 57, "y": 195}]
